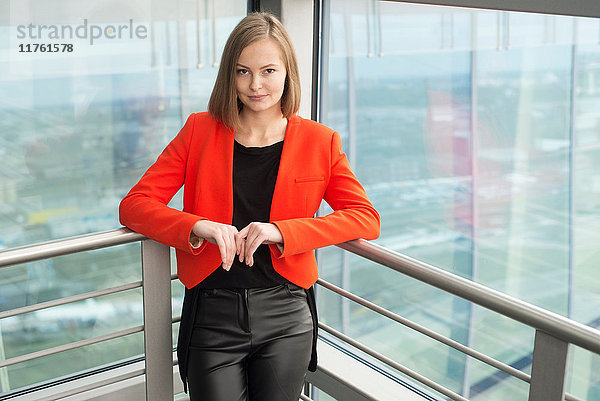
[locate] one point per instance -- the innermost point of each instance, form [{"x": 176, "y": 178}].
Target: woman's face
[{"x": 260, "y": 76}]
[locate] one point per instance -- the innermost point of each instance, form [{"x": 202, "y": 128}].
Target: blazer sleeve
[
  {"x": 353, "y": 217},
  {"x": 144, "y": 209}
]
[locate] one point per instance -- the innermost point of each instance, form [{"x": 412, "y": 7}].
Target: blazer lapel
[
  {"x": 284, "y": 192},
  {"x": 217, "y": 175}
]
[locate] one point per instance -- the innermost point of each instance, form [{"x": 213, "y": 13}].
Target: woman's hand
[
  {"x": 222, "y": 235},
  {"x": 254, "y": 234}
]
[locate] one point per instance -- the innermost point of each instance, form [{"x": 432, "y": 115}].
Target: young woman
[{"x": 255, "y": 174}]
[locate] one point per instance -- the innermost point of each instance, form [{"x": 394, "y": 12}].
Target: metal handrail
[
  {"x": 531, "y": 315},
  {"x": 156, "y": 279},
  {"x": 429, "y": 333},
  {"x": 70, "y": 346},
  {"x": 68, "y": 300},
  {"x": 61, "y": 247},
  {"x": 552, "y": 323},
  {"x": 409, "y": 372},
  {"x": 541, "y": 319}
]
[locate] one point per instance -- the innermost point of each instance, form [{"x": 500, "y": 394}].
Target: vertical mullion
[
  {"x": 571, "y": 162},
  {"x": 474, "y": 199}
]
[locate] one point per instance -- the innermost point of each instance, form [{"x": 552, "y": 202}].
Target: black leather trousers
[{"x": 250, "y": 344}]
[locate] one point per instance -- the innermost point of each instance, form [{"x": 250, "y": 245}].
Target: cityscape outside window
[
  {"x": 77, "y": 129},
  {"x": 476, "y": 135}
]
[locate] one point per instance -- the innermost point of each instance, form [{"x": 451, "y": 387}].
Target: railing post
[
  {"x": 548, "y": 368},
  {"x": 158, "y": 345}
]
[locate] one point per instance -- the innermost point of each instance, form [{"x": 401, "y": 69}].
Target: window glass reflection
[
  {"x": 77, "y": 130},
  {"x": 476, "y": 137}
]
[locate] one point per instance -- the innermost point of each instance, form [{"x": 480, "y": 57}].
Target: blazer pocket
[
  {"x": 311, "y": 193},
  {"x": 309, "y": 179}
]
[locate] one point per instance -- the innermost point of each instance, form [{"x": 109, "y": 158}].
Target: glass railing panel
[
  {"x": 52, "y": 279},
  {"x": 70, "y": 275},
  {"x": 494, "y": 385},
  {"x": 20, "y": 336},
  {"x": 505, "y": 340},
  {"x": 321, "y": 395},
  {"x": 50, "y": 327},
  {"x": 584, "y": 376},
  {"x": 436, "y": 310}
]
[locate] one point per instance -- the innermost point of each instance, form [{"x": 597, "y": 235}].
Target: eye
[
  {"x": 242, "y": 71},
  {"x": 270, "y": 70}
]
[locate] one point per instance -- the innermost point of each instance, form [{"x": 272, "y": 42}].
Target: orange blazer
[{"x": 312, "y": 167}]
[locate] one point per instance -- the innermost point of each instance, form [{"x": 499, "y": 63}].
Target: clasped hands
[{"x": 232, "y": 242}]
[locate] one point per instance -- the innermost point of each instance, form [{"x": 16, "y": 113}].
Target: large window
[
  {"x": 78, "y": 126},
  {"x": 477, "y": 136}
]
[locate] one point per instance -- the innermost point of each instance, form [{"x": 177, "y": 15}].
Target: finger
[
  {"x": 230, "y": 246},
  {"x": 242, "y": 249},
  {"x": 248, "y": 251},
  {"x": 248, "y": 254},
  {"x": 251, "y": 247},
  {"x": 244, "y": 231},
  {"x": 239, "y": 245},
  {"x": 247, "y": 237},
  {"x": 234, "y": 243},
  {"x": 222, "y": 249}
]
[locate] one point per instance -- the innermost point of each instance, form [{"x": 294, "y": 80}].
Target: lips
[{"x": 257, "y": 98}]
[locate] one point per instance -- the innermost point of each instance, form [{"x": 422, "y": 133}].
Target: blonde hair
[{"x": 224, "y": 104}]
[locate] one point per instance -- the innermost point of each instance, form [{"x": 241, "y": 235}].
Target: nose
[{"x": 256, "y": 83}]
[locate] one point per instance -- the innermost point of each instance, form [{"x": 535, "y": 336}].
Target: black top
[{"x": 254, "y": 175}]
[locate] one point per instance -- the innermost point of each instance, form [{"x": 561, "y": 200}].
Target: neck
[{"x": 261, "y": 125}]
